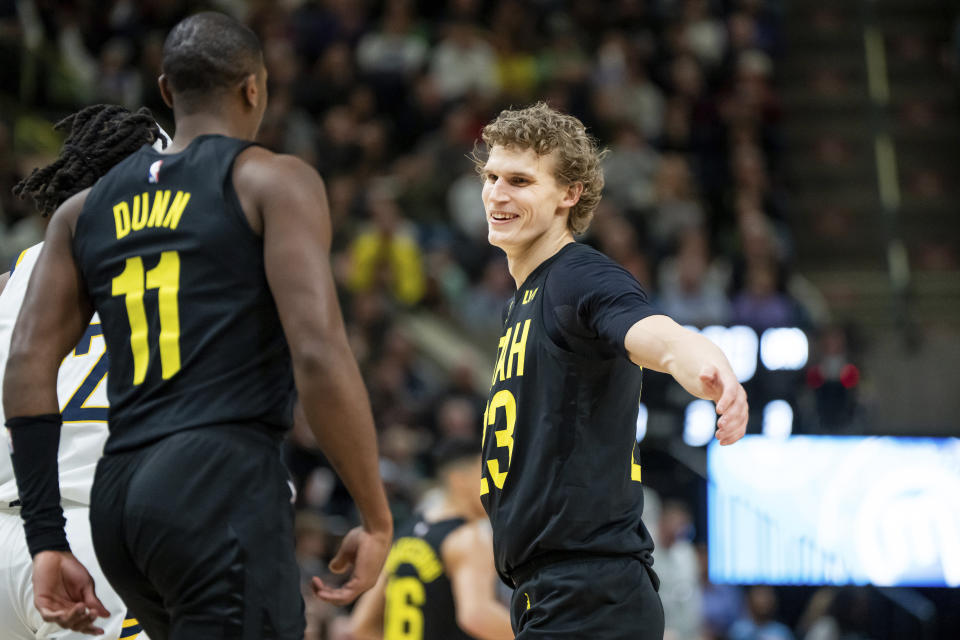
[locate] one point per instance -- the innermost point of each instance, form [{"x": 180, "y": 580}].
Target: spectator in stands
[
  {"x": 677, "y": 566},
  {"x": 677, "y": 206},
  {"x": 760, "y": 622},
  {"x": 723, "y": 604},
  {"x": 385, "y": 256},
  {"x": 692, "y": 288},
  {"x": 463, "y": 62}
]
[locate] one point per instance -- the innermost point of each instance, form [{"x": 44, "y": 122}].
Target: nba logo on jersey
[{"x": 153, "y": 174}]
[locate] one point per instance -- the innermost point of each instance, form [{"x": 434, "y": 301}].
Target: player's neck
[
  {"x": 521, "y": 261},
  {"x": 194, "y": 125},
  {"x": 452, "y": 507}
]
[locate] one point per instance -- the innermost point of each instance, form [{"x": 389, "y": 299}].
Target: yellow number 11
[{"x": 131, "y": 283}]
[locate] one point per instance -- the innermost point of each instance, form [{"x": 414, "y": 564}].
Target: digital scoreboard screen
[{"x": 817, "y": 510}]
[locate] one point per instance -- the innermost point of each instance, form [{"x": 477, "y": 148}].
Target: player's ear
[
  {"x": 165, "y": 92},
  {"x": 251, "y": 92},
  {"x": 572, "y": 195}
]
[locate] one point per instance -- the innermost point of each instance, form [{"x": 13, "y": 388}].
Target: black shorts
[
  {"x": 195, "y": 533},
  {"x": 596, "y": 597}
]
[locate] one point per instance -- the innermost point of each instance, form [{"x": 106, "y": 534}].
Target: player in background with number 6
[
  {"x": 208, "y": 265},
  {"x": 439, "y": 582},
  {"x": 561, "y": 477},
  {"x": 80, "y": 389}
]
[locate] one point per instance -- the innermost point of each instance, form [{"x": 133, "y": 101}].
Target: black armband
[{"x": 34, "y": 441}]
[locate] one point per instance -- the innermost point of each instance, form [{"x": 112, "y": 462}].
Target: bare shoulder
[
  {"x": 466, "y": 541},
  {"x": 261, "y": 169},
  {"x": 268, "y": 182}
]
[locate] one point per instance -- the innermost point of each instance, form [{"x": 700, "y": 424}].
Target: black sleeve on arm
[
  {"x": 595, "y": 301},
  {"x": 34, "y": 443}
]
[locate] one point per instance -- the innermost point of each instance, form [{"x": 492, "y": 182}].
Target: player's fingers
[
  {"x": 335, "y": 595},
  {"x": 342, "y": 562},
  {"x": 728, "y": 395},
  {"x": 347, "y": 553},
  {"x": 93, "y": 603},
  {"x": 75, "y": 618}
]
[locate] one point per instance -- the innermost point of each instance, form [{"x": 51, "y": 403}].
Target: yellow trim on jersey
[
  {"x": 129, "y": 622},
  {"x": 19, "y": 259}
]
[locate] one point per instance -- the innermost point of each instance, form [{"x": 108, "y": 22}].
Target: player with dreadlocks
[{"x": 98, "y": 137}]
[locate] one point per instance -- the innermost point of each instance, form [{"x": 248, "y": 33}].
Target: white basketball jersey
[{"x": 81, "y": 389}]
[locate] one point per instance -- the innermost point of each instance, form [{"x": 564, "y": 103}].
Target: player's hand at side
[
  {"x": 63, "y": 592},
  {"x": 731, "y": 401},
  {"x": 363, "y": 550}
]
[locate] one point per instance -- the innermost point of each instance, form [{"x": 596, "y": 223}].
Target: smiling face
[{"x": 523, "y": 202}]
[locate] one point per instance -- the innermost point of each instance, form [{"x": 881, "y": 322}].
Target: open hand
[
  {"x": 731, "y": 400},
  {"x": 365, "y": 552},
  {"x": 63, "y": 592}
]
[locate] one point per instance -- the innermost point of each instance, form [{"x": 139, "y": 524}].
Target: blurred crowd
[{"x": 386, "y": 99}]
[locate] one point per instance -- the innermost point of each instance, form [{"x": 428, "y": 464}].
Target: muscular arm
[
  {"x": 659, "y": 343},
  {"x": 366, "y": 621},
  {"x": 468, "y": 559},
  {"x": 296, "y": 236},
  {"x": 54, "y": 315}
]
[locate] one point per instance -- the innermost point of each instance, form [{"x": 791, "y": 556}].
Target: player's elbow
[{"x": 317, "y": 358}]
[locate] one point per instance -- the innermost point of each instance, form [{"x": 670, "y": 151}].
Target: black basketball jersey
[
  {"x": 176, "y": 273},
  {"x": 561, "y": 469},
  {"x": 419, "y": 599}
]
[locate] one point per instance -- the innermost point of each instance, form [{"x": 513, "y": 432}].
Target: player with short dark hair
[
  {"x": 208, "y": 265},
  {"x": 561, "y": 476},
  {"x": 439, "y": 581}
]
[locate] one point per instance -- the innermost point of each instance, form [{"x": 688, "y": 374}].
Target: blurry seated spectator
[
  {"x": 722, "y": 603},
  {"x": 643, "y": 100},
  {"x": 704, "y": 33},
  {"x": 617, "y": 237},
  {"x": 463, "y": 62},
  {"x": 385, "y": 256},
  {"x": 117, "y": 81},
  {"x": 847, "y": 616},
  {"x": 834, "y": 380},
  {"x": 675, "y": 561},
  {"x": 692, "y": 289},
  {"x": 482, "y": 311},
  {"x": 397, "y": 49},
  {"x": 760, "y": 622},
  {"x": 760, "y": 304},
  {"x": 678, "y": 208},
  {"x": 630, "y": 169}
]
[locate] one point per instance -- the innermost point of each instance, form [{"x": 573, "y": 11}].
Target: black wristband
[{"x": 34, "y": 441}]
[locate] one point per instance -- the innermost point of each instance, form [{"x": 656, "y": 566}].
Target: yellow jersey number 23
[
  {"x": 505, "y": 401},
  {"x": 132, "y": 282}
]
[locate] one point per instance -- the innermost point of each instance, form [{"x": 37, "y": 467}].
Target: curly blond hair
[{"x": 543, "y": 129}]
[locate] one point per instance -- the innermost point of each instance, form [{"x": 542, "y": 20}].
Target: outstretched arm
[
  {"x": 659, "y": 343},
  {"x": 53, "y": 317},
  {"x": 296, "y": 238}
]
